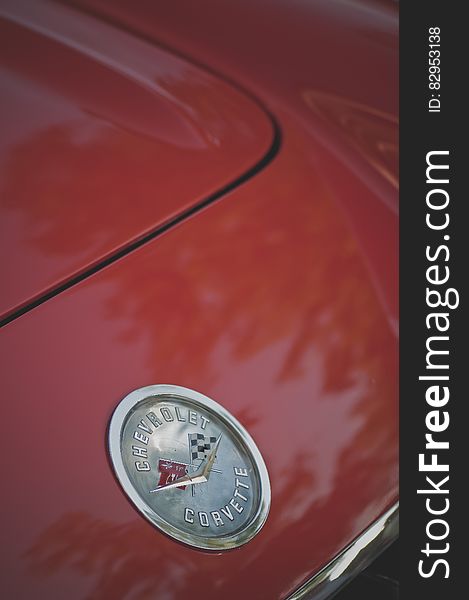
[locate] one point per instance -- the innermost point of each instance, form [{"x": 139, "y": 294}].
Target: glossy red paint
[
  {"x": 104, "y": 137},
  {"x": 270, "y": 311},
  {"x": 329, "y": 66},
  {"x": 279, "y": 301}
]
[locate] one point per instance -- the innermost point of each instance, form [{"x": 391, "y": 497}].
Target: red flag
[{"x": 170, "y": 471}]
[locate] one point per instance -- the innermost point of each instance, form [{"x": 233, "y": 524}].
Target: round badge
[{"x": 189, "y": 466}]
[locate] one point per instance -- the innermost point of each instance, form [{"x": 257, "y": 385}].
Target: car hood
[
  {"x": 278, "y": 301},
  {"x": 105, "y": 138}
]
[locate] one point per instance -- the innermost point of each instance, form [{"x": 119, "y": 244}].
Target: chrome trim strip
[{"x": 351, "y": 561}]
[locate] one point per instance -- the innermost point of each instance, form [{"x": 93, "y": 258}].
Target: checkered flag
[{"x": 200, "y": 445}]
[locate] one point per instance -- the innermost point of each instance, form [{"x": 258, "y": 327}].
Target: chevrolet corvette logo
[{"x": 189, "y": 467}]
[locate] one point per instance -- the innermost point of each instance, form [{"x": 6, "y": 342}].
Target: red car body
[{"x": 201, "y": 194}]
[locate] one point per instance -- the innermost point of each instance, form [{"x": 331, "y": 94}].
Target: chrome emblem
[{"x": 189, "y": 467}]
